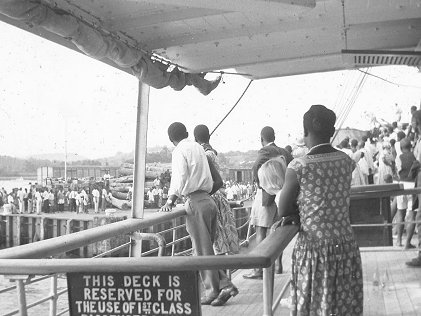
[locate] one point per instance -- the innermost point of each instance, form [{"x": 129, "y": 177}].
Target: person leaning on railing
[
  {"x": 326, "y": 263},
  {"x": 192, "y": 178},
  {"x": 226, "y": 239},
  {"x": 263, "y": 210}
]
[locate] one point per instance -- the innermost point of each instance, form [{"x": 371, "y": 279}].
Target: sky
[{"x": 45, "y": 87}]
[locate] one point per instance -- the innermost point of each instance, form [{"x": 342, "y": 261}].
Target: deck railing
[
  {"x": 22, "y": 259},
  {"x": 19, "y": 264}
]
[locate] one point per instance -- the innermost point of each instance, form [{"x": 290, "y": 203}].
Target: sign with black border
[{"x": 134, "y": 294}]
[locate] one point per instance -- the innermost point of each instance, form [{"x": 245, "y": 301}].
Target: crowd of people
[
  {"x": 38, "y": 199},
  {"x": 389, "y": 154},
  {"x": 239, "y": 190}
]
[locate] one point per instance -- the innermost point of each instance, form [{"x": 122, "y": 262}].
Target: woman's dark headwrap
[
  {"x": 319, "y": 120},
  {"x": 201, "y": 135}
]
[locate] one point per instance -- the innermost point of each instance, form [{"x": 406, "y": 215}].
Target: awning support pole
[{"x": 140, "y": 161}]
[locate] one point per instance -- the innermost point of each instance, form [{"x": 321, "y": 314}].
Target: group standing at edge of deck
[{"x": 315, "y": 187}]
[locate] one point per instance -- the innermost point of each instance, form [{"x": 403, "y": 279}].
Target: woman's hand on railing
[{"x": 293, "y": 219}]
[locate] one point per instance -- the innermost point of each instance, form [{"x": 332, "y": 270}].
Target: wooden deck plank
[
  {"x": 398, "y": 277},
  {"x": 413, "y": 281},
  {"x": 367, "y": 275},
  {"x": 402, "y": 295},
  {"x": 249, "y": 301},
  {"x": 387, "y": 277},
  {"x": 373, "y": 298}
]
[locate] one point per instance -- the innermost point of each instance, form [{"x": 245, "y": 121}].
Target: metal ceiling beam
[
  {"x": 254, "y": 30},
  {"x": 165, "y": 17},
  {"x": 279, "y": 45},
  {"x": 271, "y": 7},
  {"x": 235, "y": 32}
]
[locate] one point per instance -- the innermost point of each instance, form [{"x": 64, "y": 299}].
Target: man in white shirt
[
  {"x": 150, "y": 196},
  {"x": 160, "y": 194},
  {"x": 72, "y": 200},
  {"x": 20, "y": 195},
  {"x": 103, "y": 199},
  {"x": 156, "y": 182},
  {"x": 45, "y": 201},
  {"x": 95, "y": 198},
  {"x": 155, "y": 194},
  {"x": 10, "y": 199},
  {"x": 38, "y": 201},
  {"x": 229, "y": 192},
  {"x": 84, "y": 199},
  {"x": 107, "y": 178},
  {"x": 192, "y": 178}
]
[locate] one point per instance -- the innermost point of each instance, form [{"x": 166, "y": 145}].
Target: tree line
[{"x": 17, "y": 167}]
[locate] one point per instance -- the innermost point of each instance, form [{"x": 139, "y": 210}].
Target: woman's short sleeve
[{"x": 297, "y": 166}]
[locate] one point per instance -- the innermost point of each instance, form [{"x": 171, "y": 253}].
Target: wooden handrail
[
  {"x": 379, "y": 194},
  {"x": 57, "y": 245},
  {"x": 262, "y": 256}
]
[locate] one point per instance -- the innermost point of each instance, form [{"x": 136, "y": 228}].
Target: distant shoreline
[{"x": 25, "y": 177}]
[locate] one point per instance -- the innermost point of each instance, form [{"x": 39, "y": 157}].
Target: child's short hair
[
  {"x": 405, "y": 143},
  {"x": 388, "y": 178},
  {"x": 272, "y": 175}
]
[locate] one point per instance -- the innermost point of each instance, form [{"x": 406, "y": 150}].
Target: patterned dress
[
  {"x": 226, "y": 236},
  {"x": 326, "y": 262}
]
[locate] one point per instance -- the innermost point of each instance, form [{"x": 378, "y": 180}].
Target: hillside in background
[
  {"x": 12, "y": 166},
  {"x": 58, "y": 157},
  {"x": 237, "y": 159}
]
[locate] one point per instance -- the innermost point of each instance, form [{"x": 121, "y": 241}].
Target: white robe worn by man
[{"x": 95, "y": 198}]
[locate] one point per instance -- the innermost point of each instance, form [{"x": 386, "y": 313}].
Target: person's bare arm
[{"x": 287, "y": 203}]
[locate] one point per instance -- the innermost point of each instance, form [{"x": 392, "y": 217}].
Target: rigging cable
[
  {"x": 340, "y": 103},
  {"x": 351, "y": 103},
  {"x": 353, "y": 100},
  {"x": 391, "y": 82},
  {"x": 339, "y": 98},
  {"x": 239, "y": 99}
]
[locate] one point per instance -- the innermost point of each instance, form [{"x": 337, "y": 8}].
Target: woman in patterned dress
[
  {"x": 326, "y": 262},
  {"x": 226, "y": 236}
]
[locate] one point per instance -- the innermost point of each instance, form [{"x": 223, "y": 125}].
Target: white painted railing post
[
  {"x": 140, "y": 161},
  {"x": 268, "y": 275},
  {"x": 174, "y": 236},
  {"x": 21, "y": 297},
  {"x": 53, "y": 294}
]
